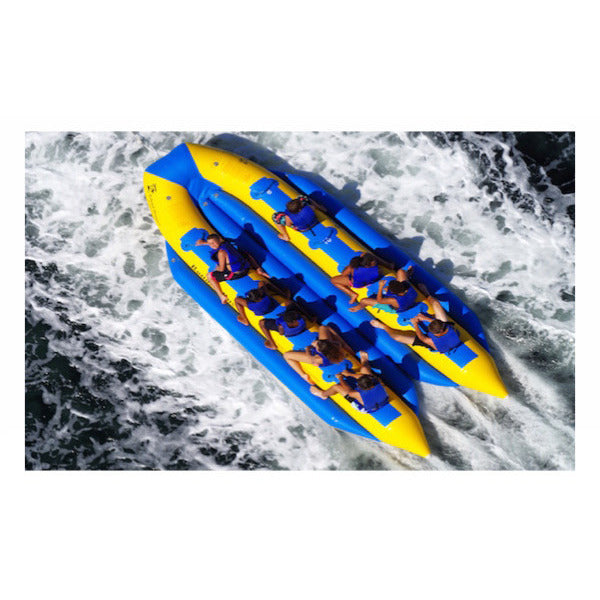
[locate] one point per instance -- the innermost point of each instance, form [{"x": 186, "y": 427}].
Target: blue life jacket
[
  {"x": 236, "y": 261},
  {"x": 363, "y": 276},
  {"x": 374, "y": 398},
  {"x": 445, "y": 342},
  {"x": 303, "y": 220},
  {"x": 263, "y": 306},
  {"x": 405, "y": 301},
  {"x": 325, "y": 361},
  {"x": 329, "y": 372},
  {"x": 291, "y": 331}
]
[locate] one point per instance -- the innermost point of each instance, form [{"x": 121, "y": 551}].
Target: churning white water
[{"x": 125, "y": 371}]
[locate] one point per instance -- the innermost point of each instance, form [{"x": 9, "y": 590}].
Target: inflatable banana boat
[
  {"x": 230, "y": 180},
  {"x": 186, "y": 207}
]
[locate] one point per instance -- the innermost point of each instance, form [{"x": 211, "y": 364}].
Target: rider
[
  {"x": 230, "y": 263},
  {"x": 289, "y": 323},
  {"x": 363, "y": 389},
  {"x": 259, "y": 300},
  {"x": 299, "y": 214},
  {"x": 400, "y": 294},
  {"x": 329, "y": 348},
  {"x": 362, "y": 271},
  {"x": 440, "y": 335}
]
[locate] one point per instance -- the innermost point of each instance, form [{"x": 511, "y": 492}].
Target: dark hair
[
  {"x": 214, "y": 236},
  {"x": 367, "y": 381},
  {"x": 355, "y": 262},
  {"x": 255, "y": 295},
  {"x": 436, "y": 326},
  {"x": 294, "y": 206},
  {"x": 398, "y": 287},
  {"x": 291, "y": 315},
  {"x": 331, "y": 349},
  {"x": 367, "y": 260}
]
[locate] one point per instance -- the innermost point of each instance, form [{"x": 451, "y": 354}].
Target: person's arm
[
  {"x": 344, "y": 387},
  {"x": 222, "y": 260},
  {"x": 253, "y": 262},
  {"x": 355, "y": 396},
  {"x": 380, "y": 292},
  {"x": 422, "y": 317},
  {"x": 438, "y": 310},
  {"x": 346, "y": 373},
  {"x": 425, "y": 339},
  {"x": 272, "y": 288},
  {"x": 201, "y": 243},
  {"x": 381, "y": 300},
  {"x": 316, "y": 205},
  {"x": 365, "y": 369},
  {"x": 401, "y": 275},
  {"x": 385, "y": 263}
]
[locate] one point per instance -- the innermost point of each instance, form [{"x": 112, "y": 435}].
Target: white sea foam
[{"x": 197, "y": 396}]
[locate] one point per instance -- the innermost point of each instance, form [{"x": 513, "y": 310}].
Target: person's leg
[
  {"x": 283, "y": 234},
  {"x": 362, "y": 303},
  {"x": 406, "y": 337},
  {"x": 365, "y": 368},
  {"x": 343, "y": 283},
  {"x": 240, "y": 305},
  {"x": 336, "y": 388},
  {"x": 269, "y": 342},
  {"x": 293, "y": 358},
  {"x": 213, "y": 280}
]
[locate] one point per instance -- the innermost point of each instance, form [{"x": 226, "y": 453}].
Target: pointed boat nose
[
  {"x": 496, "y": 388},
  {"x": 406, "y": 433}
]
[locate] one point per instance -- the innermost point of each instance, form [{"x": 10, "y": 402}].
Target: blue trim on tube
[
  {"x": 250, "y": 339},
  {"x": 306, "y": 297},
  {"x": 321, "y": 285},
  {"x": 382, "y": 246}
]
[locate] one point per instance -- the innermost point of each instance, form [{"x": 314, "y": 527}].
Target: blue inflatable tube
[
  {"x": 384, "y": 248},
  {"x": 187, "y": 204},
  {"x": 254, "y": 343},
  {"x": 307, "y": 299},
  {"x": 410, "y": 363}
]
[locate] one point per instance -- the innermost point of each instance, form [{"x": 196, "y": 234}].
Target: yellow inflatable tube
[
  {"x": 235, "y": 174},
  {"x": 175, "y": 214}
]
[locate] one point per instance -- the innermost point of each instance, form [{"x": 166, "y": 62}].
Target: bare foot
[
  {"x": 243, "y": 320},
  {"x": 353, "y": 298},
  {"x": 317, "y": 392},
  {"x": 355, "y": 308},
  {"x": 285, "y": 238},
  {"x": 377, "y": 324},
  {"x": 223, "y": 299},
  {"x": 364, "y": 357},
  {"x": 270, "y": 345}
]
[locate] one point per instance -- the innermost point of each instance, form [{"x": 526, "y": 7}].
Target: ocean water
[{"x": 124, "y": 371}]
